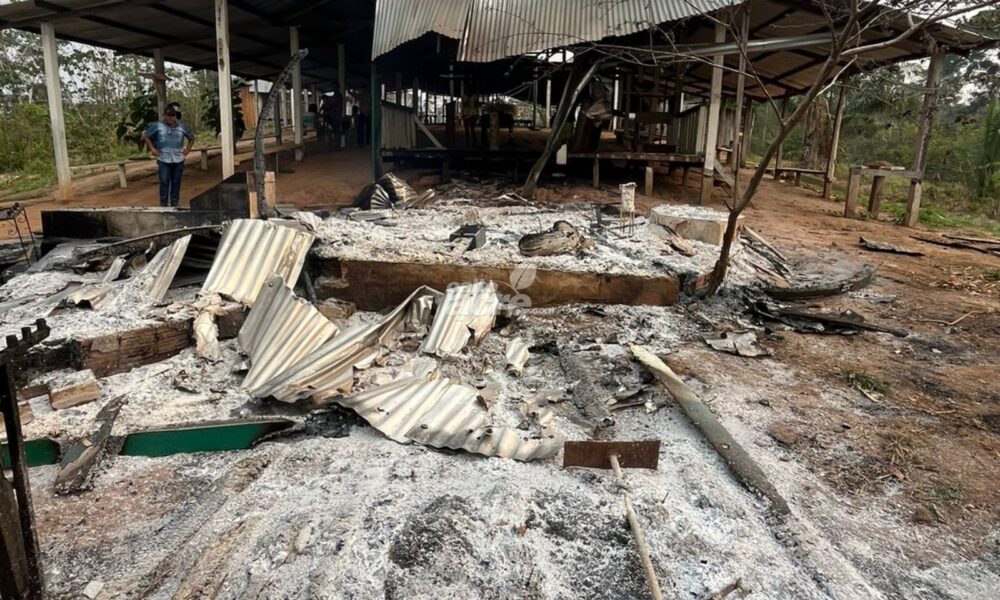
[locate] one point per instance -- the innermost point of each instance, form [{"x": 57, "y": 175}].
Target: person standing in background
[{"x": 165, "y": 140}]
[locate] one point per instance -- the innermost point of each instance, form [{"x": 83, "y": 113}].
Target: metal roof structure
[
  {"x": 506, "y": 30},
  {"x": 490, "y": 30},
  {"x": 419, "y": 38},
  {"x": 185, "y": 31}
]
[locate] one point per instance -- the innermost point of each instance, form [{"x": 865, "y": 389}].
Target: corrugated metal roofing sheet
[
  {"x": 280, "y": 329},
  {"x": 329, "y": 369},
  {"x": 163, "y": 268},
  {"x": 250, "y": 251},
  {"x": 490, "y": 30},
  {"x": 447, "y": 411},
  {"x": 444, "y": 414},
  {"x": 498, "y": 441},
  {"x": 467, "y": 313}
]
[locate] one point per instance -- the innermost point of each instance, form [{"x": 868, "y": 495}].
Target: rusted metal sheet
[
  {"x": 631, "y": 455},
  {"x": 162, "y": 269},
  {"x": 279, "y": 331},
  {"x": 466, "y": 314},
  {"x": 250, "y": 251}
]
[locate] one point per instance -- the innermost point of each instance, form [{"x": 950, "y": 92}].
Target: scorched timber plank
[{"x": 375, "y": 285}]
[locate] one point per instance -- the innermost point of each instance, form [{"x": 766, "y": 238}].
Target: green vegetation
[
  {"x": 102, "y": 92},
  {"x": 867, "y": 382}
]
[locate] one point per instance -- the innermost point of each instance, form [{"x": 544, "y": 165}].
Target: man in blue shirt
[{"x": 165, "y": 140}]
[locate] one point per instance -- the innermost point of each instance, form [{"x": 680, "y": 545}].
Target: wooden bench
[
  {"x": 797, "y": 172},
  {"x": 878, "y": 175},
  {"x": 686, "y": 161},
  {"x": 120, "y": 165}
]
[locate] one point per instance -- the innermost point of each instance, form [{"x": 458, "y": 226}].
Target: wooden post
[
  {"x": 934, "y": 71},
  {"x": 736, "y": 156},
  {"x": 534, "y": 104},
  {"x": 597, "y": 173},
  {"x": 342, "y": 84},
  {"x": 747, "y": 133},
  {"x": 415, "y": 100},
  {"x": 853, "y": 189},
  {"x": 225, "y": 88},
  {"x": 712, "y": 130},
  {"x": 781, "y": 147},
  {"x": 875, "y": 199},
  {"x": 649, "y": 180},
  {"x": 280, "y": 110},
  {"x": 159, "y": 81},
  {"x": 399, "y": 88},
  {"x": 376, "y": 126},
  {"x": 293, "y": 42},
  {"x": 53, "y": 89},
  {"x": 831, "y": 161}
]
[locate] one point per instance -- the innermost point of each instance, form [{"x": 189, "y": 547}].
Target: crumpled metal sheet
[
  {"x": 443, "y": 413},
  {"x": 280, "y": 329},
  {"x": 466, "y": 314},
  {"x": 444, "y": 410},
  {"x": 329, "y": 369},
  {"x": 93, "y": 295},
  {"x": 502, "y": 442},
  {"x": 740, "y": 343},
  {"x": 250, "y": 251},
  {"x": 162, "y": 269}
]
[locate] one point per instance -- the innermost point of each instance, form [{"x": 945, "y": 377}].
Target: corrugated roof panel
[
  {"x": 467, "y": 313},
  {"x": 250, "y": 251},
  {"x": 442, "y": 408},
  {"x": 490, "y": 30},
  {"x": 444, "y": 414},
  {"x": 163, "y": 268},
  {"x": 280, "y": 329},
  {"x": 399, "y": 21},
  {"x": 503, "y": 442},
  {"x": 329, "y": 369}
]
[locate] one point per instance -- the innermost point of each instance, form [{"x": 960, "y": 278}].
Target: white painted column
[
  {"x": 293, "y": 37},
  {"x": 53, "y": 88},
  {"x": 712, "y": 128},
  {"x": 225, "y": 88},
  {"x": 159, "y": 81}
]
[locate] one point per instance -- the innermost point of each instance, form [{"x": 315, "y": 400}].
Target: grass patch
[
  {"x": 867, "y": 382},
  {"x": 947, "y": 495},
  {"x": 992, "y": 275},
  {"x": 937, "y": 217}
]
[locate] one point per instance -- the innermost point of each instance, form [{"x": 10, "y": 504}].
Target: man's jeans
[{"x": 170, "y": 182}]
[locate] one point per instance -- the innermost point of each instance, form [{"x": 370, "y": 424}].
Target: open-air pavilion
[{"x": 420, "y": 58}]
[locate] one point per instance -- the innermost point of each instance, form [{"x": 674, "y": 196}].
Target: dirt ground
[{"x": 904, "y": 472}]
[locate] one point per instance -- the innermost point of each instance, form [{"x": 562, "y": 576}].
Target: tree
[{"x": 847, "y": 23}]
